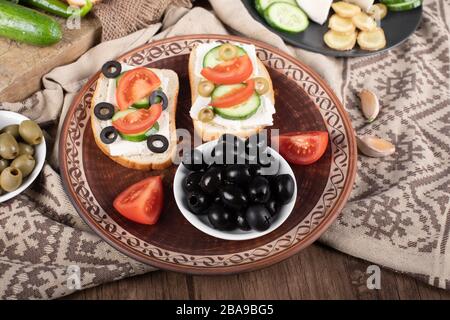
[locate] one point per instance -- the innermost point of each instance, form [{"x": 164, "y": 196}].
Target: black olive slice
[
  {"x": 158, "y": 96},
  {"x": 104, "y": 111},
  {"x": 112, "y": 69},
  {"x": 109, "y": 135},
  {"x": 152, "y": 143}
]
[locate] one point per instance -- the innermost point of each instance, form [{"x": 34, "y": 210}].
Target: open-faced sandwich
[
  {"x": 133, "y": 115},
  {"x": 231, "y": 91}
]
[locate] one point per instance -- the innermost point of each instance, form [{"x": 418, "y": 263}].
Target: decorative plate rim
[{"x": 208, "y": 267}]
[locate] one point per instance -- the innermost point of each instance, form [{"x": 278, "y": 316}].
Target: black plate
[{"x": 397, "y": 26}]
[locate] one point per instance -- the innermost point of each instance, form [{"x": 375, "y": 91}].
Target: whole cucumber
[
  {"x": 57, "y": 7},
  {"x": 27, "y": 25}
]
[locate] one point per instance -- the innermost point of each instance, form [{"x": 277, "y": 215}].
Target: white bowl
[
  {"x": 202, "y": 223},
  {"x": 7, "y": 118}
]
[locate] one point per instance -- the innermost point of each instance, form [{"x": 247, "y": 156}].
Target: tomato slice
[
  {"x": 235, "y": 97},
  {"x": 138, "y": 121},
  {"x": 231, "y": 72},
  {"x": 142, "y": 202},
  {"x": 135, "y": 85},
  {"x": 303, "y": 148}
]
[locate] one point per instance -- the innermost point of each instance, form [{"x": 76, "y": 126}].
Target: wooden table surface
[{"x": 317, "y": 272}]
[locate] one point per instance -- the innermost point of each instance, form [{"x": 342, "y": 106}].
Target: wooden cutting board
[{"x": 22, "y": 66}]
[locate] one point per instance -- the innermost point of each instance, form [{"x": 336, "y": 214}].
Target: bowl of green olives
[{"x": 22, "y": 153}]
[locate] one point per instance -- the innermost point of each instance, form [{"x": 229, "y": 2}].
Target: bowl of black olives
[
  {"x": 22, "y": 153},
  {"x": 235, "y": 189}
]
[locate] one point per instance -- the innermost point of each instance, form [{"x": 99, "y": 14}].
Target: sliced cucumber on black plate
[{"x": 286, "y": 17}]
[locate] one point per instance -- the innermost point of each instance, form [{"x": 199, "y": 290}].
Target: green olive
[
  {"x": 261, "y": 85},
  {"x": 228, "y": 52},
  {"x": 10, "y": 179},
  {"x": 30, "y": 132},
  {"x": 3, "y": 164},
  {"x": 9, "y": 148},
  {"x": 13, "y": 130},
  {"x": 206, "y": 115},
  {"x": 25, "y": 163},
  {"x": 25, "y": 149},
  {"x": 205, "y": 88}
]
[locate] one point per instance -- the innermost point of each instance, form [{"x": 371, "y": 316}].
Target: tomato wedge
[
  {"x": 231, "y": 72},
  {"x": 303, "y": 148},
  {"x": 142, "y": 202},
  {"x": 138, "y": 121},
  {"x": 135, "y": 85},
  {"x": 235, "y": 97}
]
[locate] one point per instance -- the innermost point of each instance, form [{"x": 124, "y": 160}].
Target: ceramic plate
[
  {"x": 397, "y": 26},
  {"x": 303, "y": 102}
]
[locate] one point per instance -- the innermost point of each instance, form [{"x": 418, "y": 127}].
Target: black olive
[
  {"x": 224, "y": 153},
  {"x": 255, "y": 169},
  {"x": 273, "y": 207},
  {"x": 256, "y": 144},
  {"x": 104, "y": 110},
  {"x": 211, "y": 180},
  {"x": 221, "y": 218},
  {"x": 237, "y": 173},
  {"x": 259, "y": 190},
  {"x": 258, "y": 217},
  {"x": 157, "y": 143},
  {"x": 112, "y": 69},
  {"x": 283, "y": 188},
  {"x": 198, "y": 202},
  {"x": 241, "y": 221},
  {"x": 233, "y": 197},
  {"x": 158, "y": 96},
  {"x": 193, "y": 160},
  {"x": 192, "y": 181},
  {"x": 108, "y": 135},
  {"x": 217, "y": 198}
]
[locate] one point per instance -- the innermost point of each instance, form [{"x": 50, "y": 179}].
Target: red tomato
[
  {"x": 142, "y": 202},
  {"x": 303, "y": 147},
  {"x": 135, "y": 85},
  {"x": 138, "y": 121},
  {"x": 235, "y": 97},
  {"x": 231, "y": 72}
]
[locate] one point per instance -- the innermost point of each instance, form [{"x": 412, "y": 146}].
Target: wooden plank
[{"x": 22, "y": 66}]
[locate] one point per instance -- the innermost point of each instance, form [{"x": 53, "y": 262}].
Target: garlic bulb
[
  {"x": 370, "y": 105},
  {"x": 374, "y": 147}
]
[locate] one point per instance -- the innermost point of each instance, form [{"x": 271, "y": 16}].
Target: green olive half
[
  {"x": 3, "y": 164},
  {"x": 30, "y": 132},
  {"x": 261, "y": 85},
  {"x": 25, "y": 149},
  {"x": 205, "y": 88},
  {"x": 228, "y": 52},
  {"x": 206, "y": 115},
  {"x": 13, "y": 130},
  {"x": 9, "y": 148},
  {"x": 10, "y": 179},
  {"x": 25, "y": 163}
]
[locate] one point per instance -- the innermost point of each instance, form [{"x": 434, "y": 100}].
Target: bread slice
[
  {"x": 141, "y": 162},
  {"x": 210, "y": 131}
]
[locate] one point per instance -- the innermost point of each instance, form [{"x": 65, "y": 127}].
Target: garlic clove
[
  {"x": 374, "y": 147},
  {"x": 370, "y": 105}
]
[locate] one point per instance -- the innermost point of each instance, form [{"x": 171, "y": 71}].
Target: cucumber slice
[
  {"x": 405, "y": 6},
  {"x": 141, "y": 104},
  {"x": 242, "y": 111},
  {"x": 393, "y": 1},
  {"x": 262, "y": 5},
  {"x": 225, "y": 89},
  {"x": 121, "y": 114},
  {"x": 286, "y": 17},
  {"x": 142, "y": 136},
  {"x": 212, "y": 58}
]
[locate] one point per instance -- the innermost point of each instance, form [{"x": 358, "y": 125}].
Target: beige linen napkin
[{"x": 399, "y": 211}]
